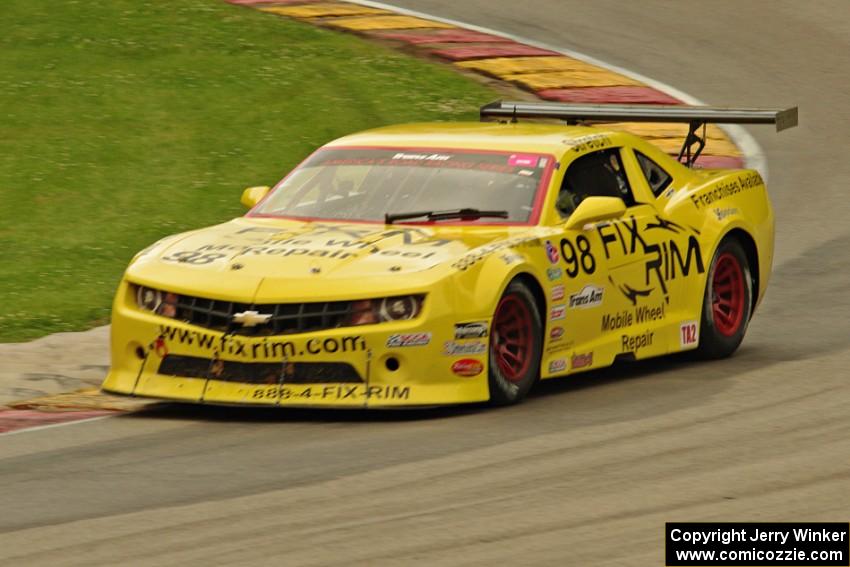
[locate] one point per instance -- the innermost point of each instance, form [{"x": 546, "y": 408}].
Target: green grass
[{"x": 122, "y": 121}]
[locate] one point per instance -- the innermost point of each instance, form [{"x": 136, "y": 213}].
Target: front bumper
[{"x": 353, "y": 367}]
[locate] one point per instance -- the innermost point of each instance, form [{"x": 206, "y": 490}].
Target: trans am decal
[{"x": 589, "y": 296}]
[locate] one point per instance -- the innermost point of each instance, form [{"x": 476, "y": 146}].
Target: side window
[
  {"x": 598, "y": 174},
  {"x": 656, "y": 177}
]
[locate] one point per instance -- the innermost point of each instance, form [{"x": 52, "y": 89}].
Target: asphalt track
[{"x": 587, "y": 470}]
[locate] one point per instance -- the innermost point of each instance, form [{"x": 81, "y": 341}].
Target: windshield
[{"x": 367, "y": 184}]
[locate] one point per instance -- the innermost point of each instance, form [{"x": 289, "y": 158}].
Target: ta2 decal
[{"x": 688, "y": 334}]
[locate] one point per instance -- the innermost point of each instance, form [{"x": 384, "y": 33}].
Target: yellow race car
[{"x": 451, "y": 263}]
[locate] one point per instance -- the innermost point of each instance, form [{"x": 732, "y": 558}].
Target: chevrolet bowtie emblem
[{"x": 251, "y": 318}]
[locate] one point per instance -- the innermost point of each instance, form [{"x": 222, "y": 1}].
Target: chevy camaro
[{"x": 450, "y": 263}]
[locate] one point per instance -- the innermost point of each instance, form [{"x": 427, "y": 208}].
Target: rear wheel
[
  {"x": 727, "y": 304},
  {"x": 516, "y": 342}
]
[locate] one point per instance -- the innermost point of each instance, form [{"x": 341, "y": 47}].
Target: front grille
[
  {"x": 260, "y": 372},
  {"x": 287, "y": 318}
]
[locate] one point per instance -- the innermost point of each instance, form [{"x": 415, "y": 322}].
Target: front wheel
[
  {"x": 516, "y": 342},
  {"x": 727, "y": 304}
]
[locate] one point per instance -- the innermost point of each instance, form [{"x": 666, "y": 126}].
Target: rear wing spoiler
[{"x": 694, "y": 116}]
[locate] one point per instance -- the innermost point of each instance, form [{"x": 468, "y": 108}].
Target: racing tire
[
  {"x": 516, "y": 344},
  {"x": 727, "y": 303}
]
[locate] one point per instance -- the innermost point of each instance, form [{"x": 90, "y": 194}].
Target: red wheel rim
[
  {"x": 727, "y": 294},
  {"x": 511, "y": 341}
]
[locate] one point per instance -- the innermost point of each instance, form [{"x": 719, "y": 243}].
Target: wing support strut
[{"x": 695, "y": 116}]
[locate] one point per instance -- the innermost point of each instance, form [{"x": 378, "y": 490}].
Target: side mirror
[
  {"x": 253, "y": 195},
  {"x": 595, "y": 209}
]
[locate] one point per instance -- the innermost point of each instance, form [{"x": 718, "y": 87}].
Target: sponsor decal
[
  {"x": 409, "y": 340},
  {"x": 467, "y": 367},
  {"x": 628, "y": 317},
  {"x": 554, "y": 274},
  {"x": 235, "y": 346},
  {"x": 557, "y": 365},
  {"x": 676, "y": 254},
  {"x": 332, "y": 392},
  {"x": 559, "y": 347},
  {"x": 589, "y": 142},
  {"x": 556, "y": 333},
  {"x": 523, "y": 160},
  {"x": 557, "y": 312},
  {"x": 589, "y": 296},
  {"x": 452, "y": 348},
  {"x": 557, "y": 293},
  {"x": 510, "y": 258},
  {"x": 633, "y": 343},
  {"x": 743, "y": 182},
  {"x": 396, "y": 157},
  {"x": 478, "y": 254},
  {"x": 422, "y": 157},
  {"x": 581, "y": 360},
  {"x": 328, "y": 241},
  {"x": 688, "y": 334},
  {"x": 476, "y": 330},
  {"x": 723, "y": 213},
  {"x": 552, "y": 252},
  {"x": 344, "y": 235}
]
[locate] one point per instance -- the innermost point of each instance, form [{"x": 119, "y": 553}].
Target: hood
[{"x": 267, "y": 260}]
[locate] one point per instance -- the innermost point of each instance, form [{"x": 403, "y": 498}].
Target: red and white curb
[{"x": 61, "y": 409}]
